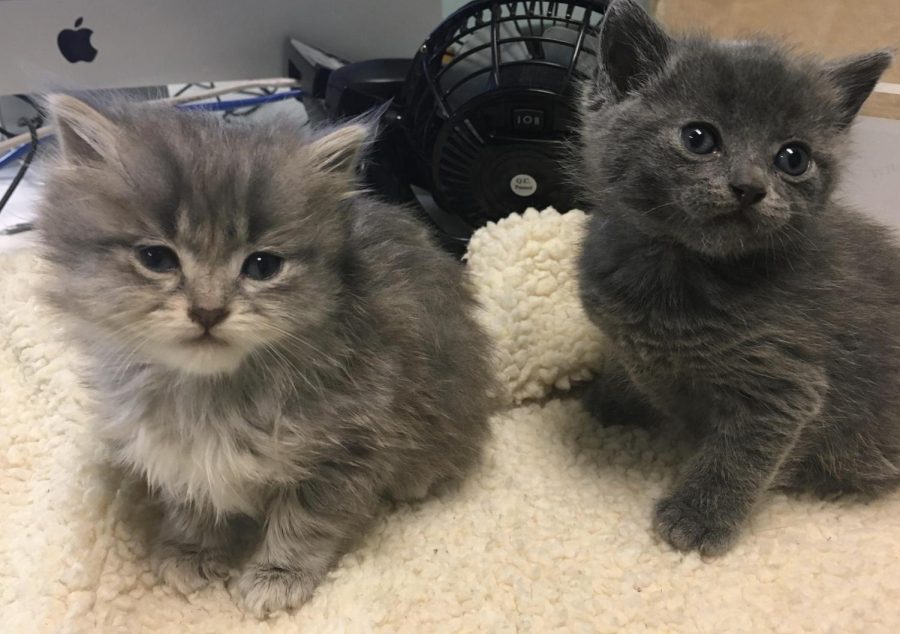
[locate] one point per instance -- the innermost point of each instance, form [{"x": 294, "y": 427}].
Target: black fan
[
  {"x": 481, "y": 115},
  {"x": 489, "y": 99}
]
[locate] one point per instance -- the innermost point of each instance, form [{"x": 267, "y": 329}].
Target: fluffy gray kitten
[
  {"x": 740, "y": 298},
  {"x": 266, "y": 343}
]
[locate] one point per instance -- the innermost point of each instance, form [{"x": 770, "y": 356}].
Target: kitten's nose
[
  {"x": 749, "y": 193},
  {"x": 207, "y": 317}
]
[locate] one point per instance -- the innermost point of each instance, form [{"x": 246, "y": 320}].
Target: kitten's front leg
[
  {"x": 734, "y": 467},
  {"x": 192, "y": 549},
  {"x": 307, "y": 529}
]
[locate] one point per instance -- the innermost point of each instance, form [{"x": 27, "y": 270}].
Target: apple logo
[{"x": 75, "y": 44}]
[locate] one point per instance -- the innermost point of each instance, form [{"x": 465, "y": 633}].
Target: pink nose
[{"x": 207, "y": 317}]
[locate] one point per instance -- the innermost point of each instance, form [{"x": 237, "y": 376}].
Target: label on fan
[
  {"x": 528, "y": 119},
  {"x": 523, "y": 185}
]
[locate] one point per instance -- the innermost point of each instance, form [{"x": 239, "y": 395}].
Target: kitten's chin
[
  {"x": 202, "y": 359},
  {"x": 729, "y": 235}
]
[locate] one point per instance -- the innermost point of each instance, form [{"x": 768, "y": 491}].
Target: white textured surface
[
  {"x": 550, "y": 535},
  {"x": 525, "y": 276}
]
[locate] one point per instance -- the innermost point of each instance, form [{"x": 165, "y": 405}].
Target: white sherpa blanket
[{"x": 551, "y": 534}]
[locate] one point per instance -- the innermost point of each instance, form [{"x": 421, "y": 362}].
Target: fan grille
[
  {"x": 487, "y": 55},
  {"x": 462, "y": 151}
]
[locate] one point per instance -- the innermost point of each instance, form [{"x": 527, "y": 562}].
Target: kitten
[
  {"x": 739, "y": 296},
  {"x": 268, "y": 345}
]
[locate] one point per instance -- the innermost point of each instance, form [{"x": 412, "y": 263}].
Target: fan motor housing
[
  {"x": 489, "y": 105},
  {"x": 502, "y": 153}
]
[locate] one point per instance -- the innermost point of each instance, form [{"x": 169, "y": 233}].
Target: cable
[
  {"x": 206, "y": 86},
  {"x": 22, "y": 139},
  {"x": 228, "y": 106},
  {"x": 37, "y": 122},
  {"x": 280, "y": 82},
  {"x": 31, "y": 102},
  {"x": 249, "y": 111},
  {"x": 13, "y": 156},
  {"x": 233, "y": 104},
  {"x": 33, "y": 124},
  {"x": 41, "y": 115},
  {"x": 22, "y": 227},
  {"x": 32, "y": 130}
]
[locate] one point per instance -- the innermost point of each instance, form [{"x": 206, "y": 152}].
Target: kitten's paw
[
  {"x": 188, "y": 570},
  {"x": 686, "y": 528},
  {"x": 410, "y": 490},
  {"x": 262, "y": 589}
]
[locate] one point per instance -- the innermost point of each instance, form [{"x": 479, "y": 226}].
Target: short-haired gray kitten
[
  {"x": 739, "y": 296},
  {"x": 266, "y": 342}
]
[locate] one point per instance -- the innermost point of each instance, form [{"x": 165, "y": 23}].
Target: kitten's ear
[
  {"x": 85, "y": 134},
  {"x": 855, "y": 78},
  {"x": 633, "y": 47},
  {"x": 340, "y": 151}
]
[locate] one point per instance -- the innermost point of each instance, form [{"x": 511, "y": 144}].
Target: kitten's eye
[
  {"x": 699, "y": 138},
  {"x": 158, "y": 258},
  {"x": 792, "y": 159},
  {"x": 261, "y": 266}
]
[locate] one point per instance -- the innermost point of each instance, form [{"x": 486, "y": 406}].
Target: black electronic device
[{"x": 480, "y": 118}]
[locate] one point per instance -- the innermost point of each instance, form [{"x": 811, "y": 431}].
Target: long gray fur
[{"x": 357, "y": 373}]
